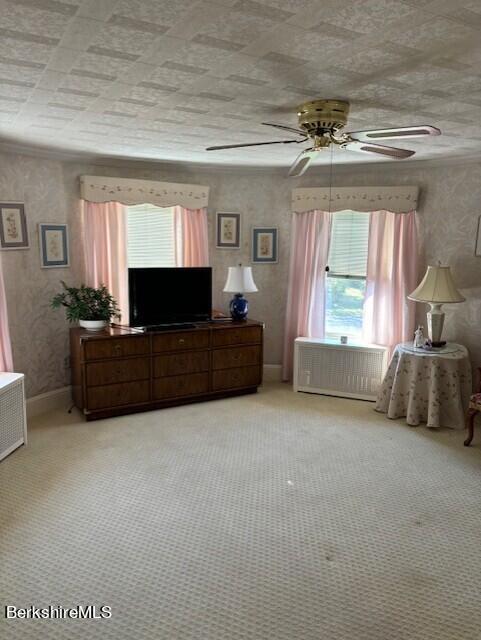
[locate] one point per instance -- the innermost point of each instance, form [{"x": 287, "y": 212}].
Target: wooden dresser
[{"x": 117, "y": 371}]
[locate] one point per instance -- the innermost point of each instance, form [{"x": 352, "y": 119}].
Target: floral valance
[
  {"x": 129, "y": 191},
  {"x": 396, "y": 199}
]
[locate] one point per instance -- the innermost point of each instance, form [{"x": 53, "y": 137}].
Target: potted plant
[{"x": 91, "y": 308}]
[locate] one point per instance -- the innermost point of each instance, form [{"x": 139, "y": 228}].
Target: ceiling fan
[{"x": 321, "y": 121}]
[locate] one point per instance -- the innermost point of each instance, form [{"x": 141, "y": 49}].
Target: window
[
  {"x": 346, "y": 275},
  {"x": 150, "y": 236}
]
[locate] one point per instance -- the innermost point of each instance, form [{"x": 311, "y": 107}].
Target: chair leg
[{"x": 470, "y": 426}]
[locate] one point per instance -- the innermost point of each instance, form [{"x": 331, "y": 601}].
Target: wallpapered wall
[
  {"x": 448, "y": 217},
  {"x": 39, "y": 336}
]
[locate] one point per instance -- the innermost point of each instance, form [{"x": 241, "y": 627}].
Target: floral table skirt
[{"x": 430, "y": 387}]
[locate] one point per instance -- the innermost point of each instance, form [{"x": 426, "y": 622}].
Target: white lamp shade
[
  {"x": 437, "y": 286},
  {"x": 240, "y": 280}
]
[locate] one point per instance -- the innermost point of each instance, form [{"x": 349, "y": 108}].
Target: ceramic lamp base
[
  {"x": 238, "y": 307},
  {"x": 435, "y": 323}
]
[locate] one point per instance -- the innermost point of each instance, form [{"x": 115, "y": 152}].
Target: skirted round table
[{"x": 427, "y": 386}]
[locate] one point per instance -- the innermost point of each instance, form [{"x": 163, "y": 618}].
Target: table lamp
[
  {"x": 239, "y": 281},
  {"x": 436, "y": 288}
]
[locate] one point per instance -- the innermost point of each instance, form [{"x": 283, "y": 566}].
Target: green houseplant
[{"x": 91, "y": 307}]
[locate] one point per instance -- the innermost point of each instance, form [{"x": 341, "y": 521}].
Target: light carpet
[{"x": 275, "y": 516}]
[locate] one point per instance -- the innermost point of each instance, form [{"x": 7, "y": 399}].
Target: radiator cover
[
  {"x": 13, "y": 419},
  {"x": 325, "y": 366}
]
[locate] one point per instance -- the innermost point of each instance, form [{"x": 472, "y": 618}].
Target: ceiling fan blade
[
  {"x": 392, "y": 152},
  {"x": 248, "y": 144},
  {"x": 397, "y": 132},
  {"x": 301, "y": 163},
  {"x": 285, "y": 128}
]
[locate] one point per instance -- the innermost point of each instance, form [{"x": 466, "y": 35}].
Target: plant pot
[{"x": 93, "y": 325}]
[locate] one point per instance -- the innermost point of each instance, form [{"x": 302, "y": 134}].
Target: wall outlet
[{"x": 66, "y": 362}]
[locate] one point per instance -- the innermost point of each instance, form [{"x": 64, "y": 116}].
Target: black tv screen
[{"x": 169, "y": 295}]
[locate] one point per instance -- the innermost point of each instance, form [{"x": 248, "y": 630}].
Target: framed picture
[
  {"x": 13, "y": 226},
  {"x": 477, "y": 250},
  {"x": 53, "y": 245},
  {"x": 228, "y": 231},
  {"x": 264, "y": 244}
]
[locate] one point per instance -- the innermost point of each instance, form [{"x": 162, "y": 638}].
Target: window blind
[
  {"x": 150, "y": 236},
  {"x": 348, "y": 247}
]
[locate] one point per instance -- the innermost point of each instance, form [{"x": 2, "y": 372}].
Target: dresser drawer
[
  {"x": 236, "y": 378},
  {"x": 178, "y": 386},
  {"x": 237, "y": 335},
  {"x": 118, "y": 370},
  {"x": 236, "y": 357},
  {"x": 115, "y": 395},
  {"x": 176, "y": 364},
  {"x": 99, "y": 349},
  {"x": 181, "y": 341}
]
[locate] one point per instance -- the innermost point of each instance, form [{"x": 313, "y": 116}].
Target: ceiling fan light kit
[{"x": 321, "y": 121}]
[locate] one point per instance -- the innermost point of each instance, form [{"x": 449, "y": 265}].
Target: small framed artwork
[
  {"x": 13, "y": 226},
  {"x": 228, "y": 230},
  {"x": 264, "y": 244},
  {"x": 477, "y": 250},
  {"x": 53, "y": 245}
]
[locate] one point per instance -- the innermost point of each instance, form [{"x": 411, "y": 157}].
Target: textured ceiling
[{"x": 163, "y": 79}]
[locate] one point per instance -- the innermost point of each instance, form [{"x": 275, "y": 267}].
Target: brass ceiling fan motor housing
[
  {"x": 321, "y": 124},
  {"x": 319, "y": 117}
]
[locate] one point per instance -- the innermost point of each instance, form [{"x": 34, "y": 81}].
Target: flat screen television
[{"x": 168, "y": 295}]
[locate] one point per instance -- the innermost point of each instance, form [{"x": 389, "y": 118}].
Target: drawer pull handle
[
  {"x": 181, "y": 340},
  {"x": 118, "y": 348}
]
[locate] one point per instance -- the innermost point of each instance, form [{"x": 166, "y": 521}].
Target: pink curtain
[
  {"x": 192, "y": 239},
  {"x": 105, "y": 240},
  {"x": 307, "y": 272},
  {"x": 392, "y": 273},
  {"x": 6, "y": 360}
]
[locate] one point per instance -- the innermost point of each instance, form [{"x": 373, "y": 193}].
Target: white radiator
[
  {"x": 325, "y": 366},
  {"x": 13, "y": 419}
]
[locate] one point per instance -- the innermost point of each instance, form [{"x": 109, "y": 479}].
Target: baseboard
[
  {"x": 272, "y": 373},
  {"x": 56, "y": 399}
]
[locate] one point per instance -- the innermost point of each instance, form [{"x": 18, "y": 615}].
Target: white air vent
[
  {"x": 13, "y": 420},
  {"x": 350, "y": 371}
]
